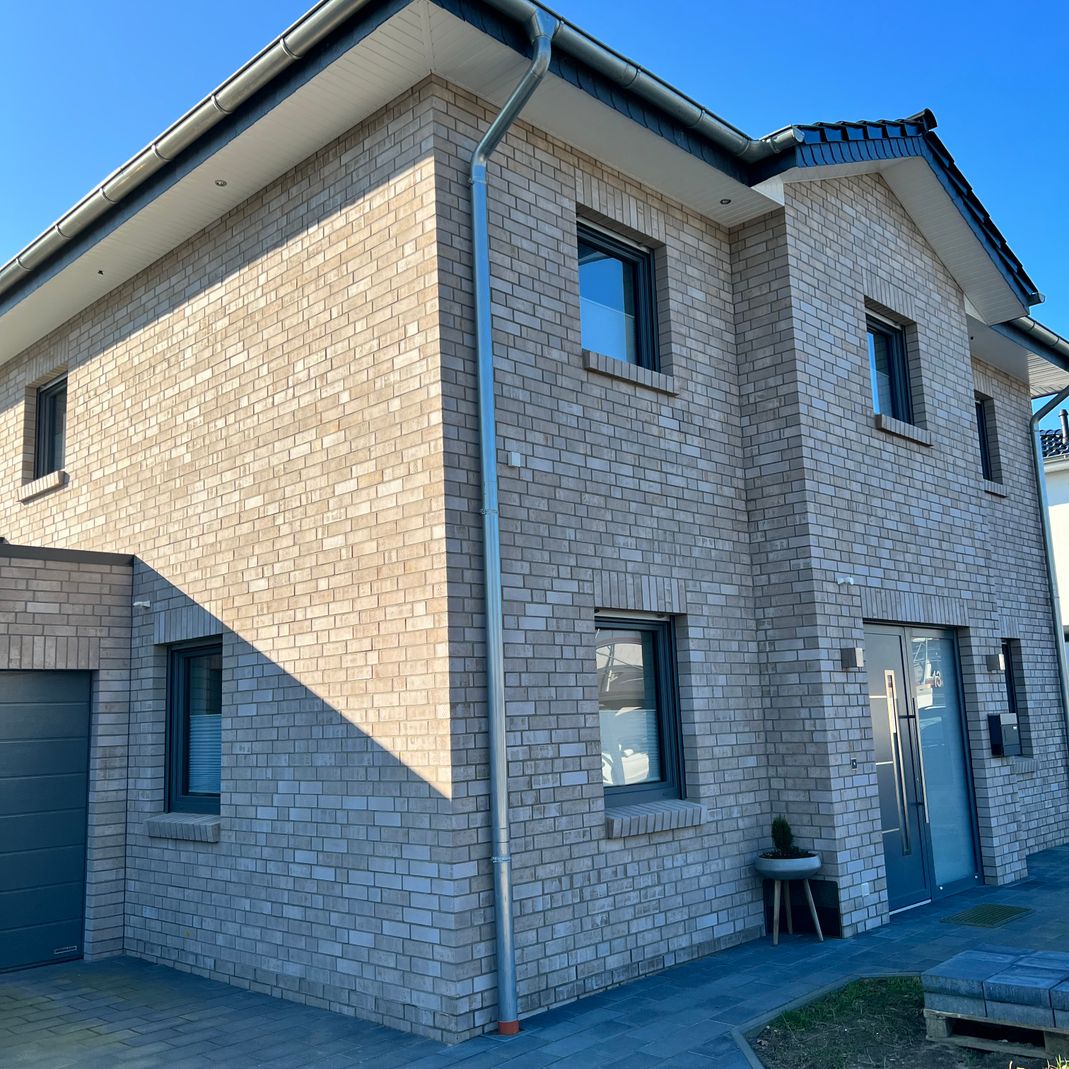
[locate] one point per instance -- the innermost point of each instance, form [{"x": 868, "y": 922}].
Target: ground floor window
[
  {"x": 638, "y": 710},
  {"x": 195, "y": 701}
]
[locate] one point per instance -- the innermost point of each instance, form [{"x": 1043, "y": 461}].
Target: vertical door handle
[{"x": 901, "y": 797}]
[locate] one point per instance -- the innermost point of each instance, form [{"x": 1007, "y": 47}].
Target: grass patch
[{"x": 870, "y": 1024}]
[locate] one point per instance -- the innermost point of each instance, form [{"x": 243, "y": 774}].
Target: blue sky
[{"x": 87, "y": 85}]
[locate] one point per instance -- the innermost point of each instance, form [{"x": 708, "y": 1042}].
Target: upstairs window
[
  {"x": 890, "y": 371},
  {"x": 638, "y": 711},
  {"x": 51, "y": 431},
  {"x": 195, "y": 705},
  {"x": 985, "y": 429},
  {"x": 616, "y": 299}
]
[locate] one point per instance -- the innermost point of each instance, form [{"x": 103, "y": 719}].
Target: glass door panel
[{"x": 945, "y": 783}]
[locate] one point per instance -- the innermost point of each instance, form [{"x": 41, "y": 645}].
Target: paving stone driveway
[{"x": 126, "y": 1013}]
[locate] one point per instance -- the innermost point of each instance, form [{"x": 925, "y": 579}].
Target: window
[
  {"x": 638, "y": 710},
  {"x": 616, "y": 299},
  {"x": 890, "y": 371},
  {"x": 985, "y": 430},
  {"x": 195, "y": 700},
  {"x": 51, "y": 436},
  {"x": 1013, "y": 720}
]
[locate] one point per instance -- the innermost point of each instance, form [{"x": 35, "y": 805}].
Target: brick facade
[{"x": 278, "y": 421}]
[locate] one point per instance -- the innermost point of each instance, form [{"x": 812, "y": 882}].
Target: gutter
[
  {"x": 541, "y": 29},
  {"x": 630, "y": 76},
  {"x": 286, "y": 49},
  {"x": 1037, "y": 338},
  {"x": 294, "y": 45},
  {"x": 1048, "y": 543}
]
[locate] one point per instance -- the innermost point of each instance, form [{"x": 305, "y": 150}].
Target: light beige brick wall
[
  {"x": 926, "y": 541},
  {"x": 279, "y": 420},
  {"x": 71, "y": 612},
  {"x": 627, "y": 498},
  {"x": 258, "y": 418}
]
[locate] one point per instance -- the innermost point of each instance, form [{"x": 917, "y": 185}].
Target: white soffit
[
  {"x": 353, "y": 87},
  {"x": 468, "y": 58},
  {"x": 937, "y": 217},
  {"x": 939, "y": 220},
  {"x": 418, "y": 40},
  {"x": 993, "y": 348},
  {"x": 1045, "y": 378}
]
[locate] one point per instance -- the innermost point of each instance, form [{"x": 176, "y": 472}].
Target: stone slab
[
  {"x": 1015, "y": 1013},
  {"x": 1024, "y": 985},
  {"x": 965, "y": 973},
  {"x": 1059, "y": 996},
  {"x": 956, "y": 1004}
]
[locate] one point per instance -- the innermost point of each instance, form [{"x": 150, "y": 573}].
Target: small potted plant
[{"x": 786, "y": 861}]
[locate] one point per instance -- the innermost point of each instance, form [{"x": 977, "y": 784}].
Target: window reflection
[{"x": 627, "y": 706}]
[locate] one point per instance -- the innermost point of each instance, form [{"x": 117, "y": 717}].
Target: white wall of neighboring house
[{"x": 1057, "y": 472}]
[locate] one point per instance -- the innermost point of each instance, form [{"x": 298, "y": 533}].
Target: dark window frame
[
  {"x": 986, "y": 437},
  {"x": 179, "y": 800},
  {"x": 672, "y": 786},
  {"x": 1016, "y": 715},
  {"x": 641, "y": 260},
  {"x": 897, "y": 370},
  {"x": 50, "y": 414}
]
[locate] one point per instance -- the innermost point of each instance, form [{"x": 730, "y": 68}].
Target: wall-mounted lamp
[
  {"x": 852, "y": 658},
  {"x": 995, "y": 662},
  {"x": 845, "y": 580},
  {"x": 142, "y": 604}
]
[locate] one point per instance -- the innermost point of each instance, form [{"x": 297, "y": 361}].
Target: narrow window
[
  {"x": 638, "y": 711},
  {"x": 195, "y": 697},
  {"x": 890, "y": 371},
  {"x": 616, "y": 299},
  {"x": 985, "y": 430},
  {"x": 51, "y": 437},
  {"x": 1013, "y": 720}
]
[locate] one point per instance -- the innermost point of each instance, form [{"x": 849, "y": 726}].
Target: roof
[
  {"x": 1054, "y": 445},
  {"x": 345, "y": 57},
  {"x": 831, "y": 143}
]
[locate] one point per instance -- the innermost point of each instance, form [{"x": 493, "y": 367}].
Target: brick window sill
[
  {"x": 196, "y": 827},
  {"x": 996, "y": 488},
  {"x": 645, "y": 818},
  {"x": 52, "y": 481},
  {"x": 620, "y": 369},
  {"x": 900, "y": 429}
]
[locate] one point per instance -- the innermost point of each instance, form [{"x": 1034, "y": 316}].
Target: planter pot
[{"x": 787, "y": 868}]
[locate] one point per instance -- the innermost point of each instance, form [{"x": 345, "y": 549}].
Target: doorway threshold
[{"x": 906, "y": 909}]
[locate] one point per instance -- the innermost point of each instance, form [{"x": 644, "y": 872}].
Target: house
[
  {"x": 290, "y": 696},
  {"x": 1055, "y": 446}
]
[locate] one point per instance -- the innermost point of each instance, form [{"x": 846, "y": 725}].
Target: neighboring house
[
  {"x": 1056, "y": 471},
  {"x": 737, "y": 387}
]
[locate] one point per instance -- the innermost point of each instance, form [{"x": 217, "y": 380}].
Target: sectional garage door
[{"x": 44, "y": 762}]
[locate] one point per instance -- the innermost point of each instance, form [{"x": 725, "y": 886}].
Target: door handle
[
  {"x": 924, "y": 782},
  {"x": 901, "y": 796}
]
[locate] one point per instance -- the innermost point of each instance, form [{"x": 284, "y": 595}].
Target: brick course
[{"x": 278, "y": 419}]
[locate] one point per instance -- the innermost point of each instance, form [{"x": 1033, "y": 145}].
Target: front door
[{"x": 922, "y": 766}]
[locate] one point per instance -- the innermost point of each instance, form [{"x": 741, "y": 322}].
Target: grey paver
[{"x": 126, "y": 1013}]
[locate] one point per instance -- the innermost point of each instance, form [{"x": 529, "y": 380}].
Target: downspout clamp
[
  {"x": 1048, "y": 547},
  {"x": 541, "y": 27}
]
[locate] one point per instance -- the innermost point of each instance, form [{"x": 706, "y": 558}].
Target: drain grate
[{"x": 989, "y": 916}]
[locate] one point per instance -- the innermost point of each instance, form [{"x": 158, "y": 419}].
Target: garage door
[{"x": 44, "y": 762}]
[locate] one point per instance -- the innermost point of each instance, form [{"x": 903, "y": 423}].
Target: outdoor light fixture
[
  {"x": 995, "y": 662},
  {"x": 725, "y": 200},
  {"x": 852, "y": 658},
  {"x": 142, "y": 604},
  {"x": 220, "y": 182}
]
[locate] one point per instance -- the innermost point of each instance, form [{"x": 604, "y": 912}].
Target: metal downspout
[
  {"x": 1048, "y": 546},
  {"x": 541, "y": 29}
]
